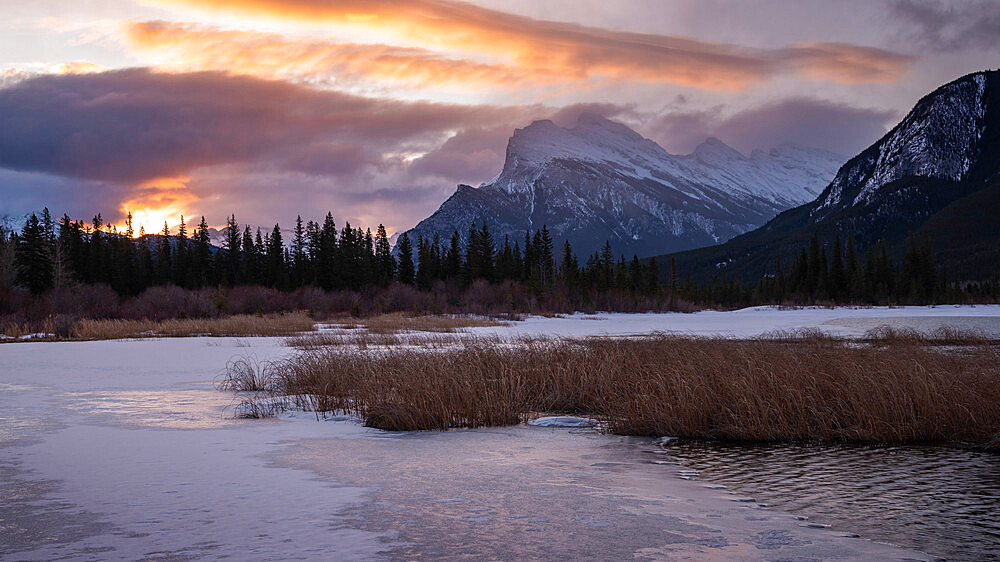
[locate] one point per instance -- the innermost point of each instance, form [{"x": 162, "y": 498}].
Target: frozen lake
[
  {"x": 752, "y": 322},
  {"x": 125, "y": 450}
]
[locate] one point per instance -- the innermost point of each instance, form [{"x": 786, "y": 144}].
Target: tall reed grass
[
  {"x": 244, "y": 325},
  {"x": 899, "y": 390},
  {"x": 395, "y": 322}
]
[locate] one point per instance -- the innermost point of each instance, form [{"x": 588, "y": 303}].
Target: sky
[{"x": 375, "y": 110}]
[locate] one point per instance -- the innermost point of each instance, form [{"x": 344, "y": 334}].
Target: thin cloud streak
[
  {"x": 269, "y": 55},
  {"x": 571, "y": 51}
]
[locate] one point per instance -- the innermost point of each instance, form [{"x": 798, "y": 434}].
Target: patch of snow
[{"x": 751, "y": 322}]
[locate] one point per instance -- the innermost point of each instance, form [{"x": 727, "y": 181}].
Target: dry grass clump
[
  {"x": 943, "y": 335},
  {"x": 365, "y": 340},
  {"x": 244, "y": 325},
  {"x": 761, "y": 390},
  {"x": 248, "y": 374},
  {"x": 395, "y": 322}
]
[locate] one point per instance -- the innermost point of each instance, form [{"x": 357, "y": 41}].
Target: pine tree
[
  {"x": 231, "y": 257},
  {"x": 838, "y": 274},
  {"x": 673, "y": 277},
  {"x": 181, "y": 258},
  {"x": 275, "y": 272},
  {"x": 298, "y": 253},
  {"x": 164, "y": 263},
  {"x": 569, "y": 269},
  {"x": 96, "y": 264},
  {"x": 545, "y": 256},
  {"x": 347, "y": 257},
  {"x": 144, "y": 262},
  {"x": 326, "y": 262},
  {"x": 405, "y": 250},
  {"x": 423, "y": 277},
  {"x": 385, "y": 264},
  {"x": 202, "y": 262},
  {"x": 313, "y": 244},
  {"x": 250, "y": 270},
  {"x": 8, "y": 243},
  {"x": 453, "y": 258},
  {"x": 815, "y": 270},
  {"x": 33, "y": 257},
  {"x": 123, "y": 261}
]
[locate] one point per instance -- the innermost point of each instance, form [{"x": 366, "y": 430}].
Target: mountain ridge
[
  {"x": 945, "y": 150},
  {"x": 602, "y": 181}
]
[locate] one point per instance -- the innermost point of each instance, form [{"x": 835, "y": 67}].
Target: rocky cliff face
[{"x": 939, "y": 139}]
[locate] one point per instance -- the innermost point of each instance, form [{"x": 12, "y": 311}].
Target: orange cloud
[
  {"x": 849, "y": 64},
  {"x": 549, "y": 48},
  {"x": 273, "y": 56},
  {"x": 77, "y": 67}
]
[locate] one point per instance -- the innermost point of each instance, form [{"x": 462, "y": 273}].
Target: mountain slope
[
  {"x": 602, "y": 181},
  {"x": 928, "y": 172}
]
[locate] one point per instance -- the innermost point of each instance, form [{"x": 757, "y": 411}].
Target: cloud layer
[
  {"x": 547, "y": 49},
  {"x": 135, "y": 125},
  {"x": 376, "y": 108},
  {"x": 832, "y": 126}
]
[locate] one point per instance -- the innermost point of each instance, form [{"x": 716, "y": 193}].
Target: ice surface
[
  {"x": 125, "y": 450},
  {"x": 753, "y": 322},
  {"x": 563, "y": 421}
]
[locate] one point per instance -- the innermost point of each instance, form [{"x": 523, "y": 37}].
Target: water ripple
[{"x": 942, "y": 501}]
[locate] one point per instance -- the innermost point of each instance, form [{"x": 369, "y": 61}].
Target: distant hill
[{"x": 937, "y": 171}]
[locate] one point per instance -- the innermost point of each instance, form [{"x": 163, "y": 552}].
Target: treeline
[
  {"x": 48, "y": 254},
  {"x": 526, "y": 275},
  {"x": 843, "y": 276}
]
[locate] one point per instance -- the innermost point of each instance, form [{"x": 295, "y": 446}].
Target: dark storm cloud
[
  {"x": 471, "y": 155},
  {"x": 133, "y": 125},
  {"x": 951, "y": 27},
  {"x": 840, "y": 128}
]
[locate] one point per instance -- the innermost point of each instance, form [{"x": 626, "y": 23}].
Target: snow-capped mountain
[
  {"x": 938, "y": 171},
  {"x": 938, "y": 139},
  {"x": 602, "y": 181}
]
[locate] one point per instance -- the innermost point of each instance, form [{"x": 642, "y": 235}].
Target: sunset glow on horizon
[{"x": 375, "y": 109}]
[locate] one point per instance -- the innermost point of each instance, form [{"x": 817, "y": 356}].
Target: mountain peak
[
  {"x": 714, "y": 151},
  {"x": 601, "y": 181},
  {"x": 940, "y": 138},
  {"x": 593, "y": 139}
]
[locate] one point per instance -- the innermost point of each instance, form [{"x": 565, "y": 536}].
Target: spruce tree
[
  {"x": 231, "y": 257},
  {"x": 405, "y": 269},
  {"x": 326, "y": 261},
  {"x": 298, "y": 253},
  {"x": 202, "y": 262},
  {"x": 164, "y": 263},
  {"x": 453, "y": 258},
  {"x": 33, "y": 257},
  {"x": 838, "y": 274},
  {"x": 275, "y": 272},
  {"x": 545, "y": 256},
  {"x": 385, "y": 264}
]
